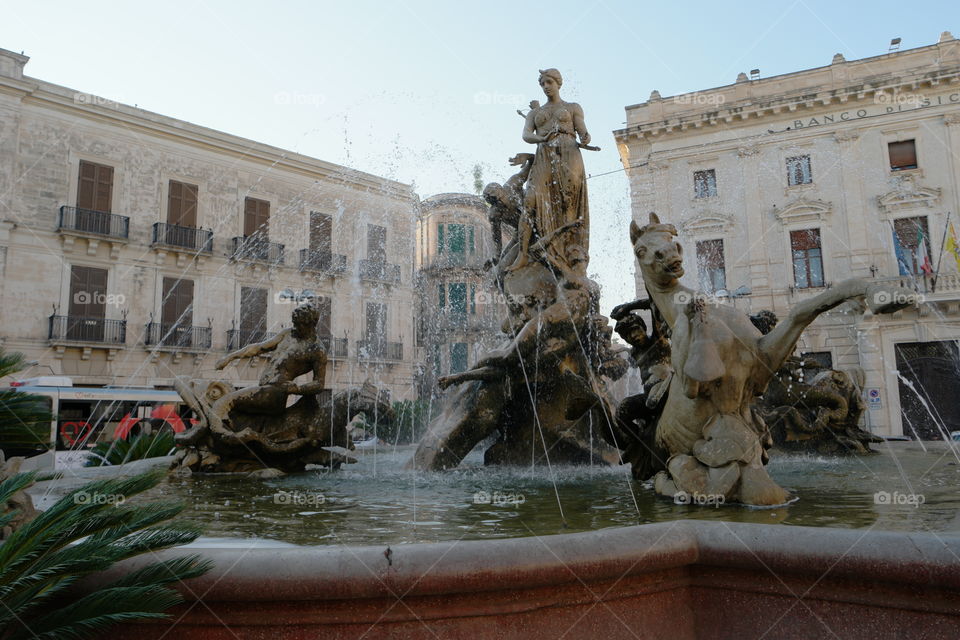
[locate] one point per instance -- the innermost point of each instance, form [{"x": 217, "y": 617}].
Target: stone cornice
[
  {"x": 806, "y": 99},
  {"x": 54, "y": 97},
  {"x": 707, "y": 224}
]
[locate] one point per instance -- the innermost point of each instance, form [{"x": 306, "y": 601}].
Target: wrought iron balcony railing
[
  {"x": 239, "y": 338},
  {"x": 85, "y": 329},
  {"x": 173, "y": 235},
  {"x": 377, "y": 271},
  {"x": 100, "y": 223},
  {"x": 379, "y": 350},
  {"x": 322, "y": 261},
  {"x": 172, "y": 335},
  {"x": 256, "y": 249},
  {"x": 336, "y": 347}
]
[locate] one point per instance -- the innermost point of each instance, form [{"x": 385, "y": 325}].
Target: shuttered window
[
  {"x": 256, "y": 218},
  {"x": 376, "y": 243},
  {"x": 182, "y": 204},
  {"x": 321, "y": 233},
  {"x": 177, "y": 306},
  {"x": 903, "y": 155},
  {"x": 799, "y": 171},
  {"x": 325, "y": 309},
  {"x": 705, "y": 183},
  {"x": 95, "y": 187},
  {"x": 253, "y": 314}
]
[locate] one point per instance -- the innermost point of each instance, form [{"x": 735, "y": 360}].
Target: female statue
[{"x": 556, "y": 192}]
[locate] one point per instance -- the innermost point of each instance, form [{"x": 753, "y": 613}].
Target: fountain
[{"x": 463, "y": 542}]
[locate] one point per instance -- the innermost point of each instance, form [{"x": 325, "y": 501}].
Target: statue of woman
[{"x": 556, "y": 192}]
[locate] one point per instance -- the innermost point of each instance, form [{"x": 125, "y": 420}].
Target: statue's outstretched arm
[{"x": 252, "y": 350}]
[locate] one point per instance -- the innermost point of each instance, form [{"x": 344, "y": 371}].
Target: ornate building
[
  {"x": 784, "y": 185},
  {"x": 459, "y": 308},
  {"x": 135, "y": 247}
]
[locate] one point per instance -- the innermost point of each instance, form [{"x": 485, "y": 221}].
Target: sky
[{"x": 422, "y": 92}]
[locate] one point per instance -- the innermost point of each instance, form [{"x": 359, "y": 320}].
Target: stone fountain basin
[{"x": 680, "y": 580}]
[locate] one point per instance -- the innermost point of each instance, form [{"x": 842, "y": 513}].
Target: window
[
  {"x": 807, "y": 258},
  {"x": 95, "y": 187},
  {"x": 437, "y": 362},
  {"x": 458, "y": 357},
  {"x": 903, "y": 155},
  {"x": 256, "y": 218},
  {"x": 912, "y": 248},
  {"x": 182, "y": 204},
  {"x": 713, "y": 276},
  {"x": 253, "y": 315},
  {"x": 442, "y": 296},
  {"x": 376, "y": 243},
  {"x": 376, "y": 327},
  {"x": 325, "y": 311},
  {"x": 458, "y": 240},
  {"x": 440, "y": 240},
  {"x": 176, "y": 313},
  {"x": 705, "y": 183},
  {"x": 822, "y": 358},
  {"x": 88, "y": 304},
  {"x": 799, "y": 171},
  {"x": 321, "y": 233}
]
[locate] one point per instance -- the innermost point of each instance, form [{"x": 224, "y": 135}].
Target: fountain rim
[{"x": 344, "y": 572}]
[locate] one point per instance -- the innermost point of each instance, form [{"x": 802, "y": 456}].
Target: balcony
[
  {"x": 254, "y": 249},
  {"x": 74, "y": 222},
  {"x": 322, "y": 262},
  {"x": 336, "y": 347},
  {"x": 87, "y": 333},
  {"x": 96, "y": 223},
  {"x": 239, "y": 338},
  {"x": 177, "y": 337},
  {"x": 376, "y": 271},
  {"x": 380, "y": 350},
  {"x": 184, "y": 238}
]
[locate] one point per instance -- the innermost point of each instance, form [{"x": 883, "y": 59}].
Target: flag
[
  {"x": 952, "y": 245},
  {"x": 921, "y": 255},
  {"x": 903, "y": 261}
]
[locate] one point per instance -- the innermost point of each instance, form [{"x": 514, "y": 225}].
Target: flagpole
[{"x": 943, "y": 242}]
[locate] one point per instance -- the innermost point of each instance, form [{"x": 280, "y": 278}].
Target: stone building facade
[
  {"x": 781, "y": 186},
  {"x": 135, "y": 247},
  {"x": 460, "y": 310}
]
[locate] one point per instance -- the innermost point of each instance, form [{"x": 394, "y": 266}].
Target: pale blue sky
[{"x": 421, "y": 91}]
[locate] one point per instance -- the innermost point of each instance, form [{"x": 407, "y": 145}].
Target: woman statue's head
[{"x": 550, "y": 82}]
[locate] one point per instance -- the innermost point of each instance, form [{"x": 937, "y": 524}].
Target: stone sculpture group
[{"x": 695, "y": 429}]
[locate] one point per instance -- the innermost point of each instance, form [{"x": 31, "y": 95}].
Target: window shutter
[
  {"x": 439, "y": 238},
  {"x": 903, "y": 155}
]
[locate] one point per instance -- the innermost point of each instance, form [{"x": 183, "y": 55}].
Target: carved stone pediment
[
  {"x": 908, "y": 194},
  {"x": 803, "y": 210},
  {"x": 707, "y": 224}
]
